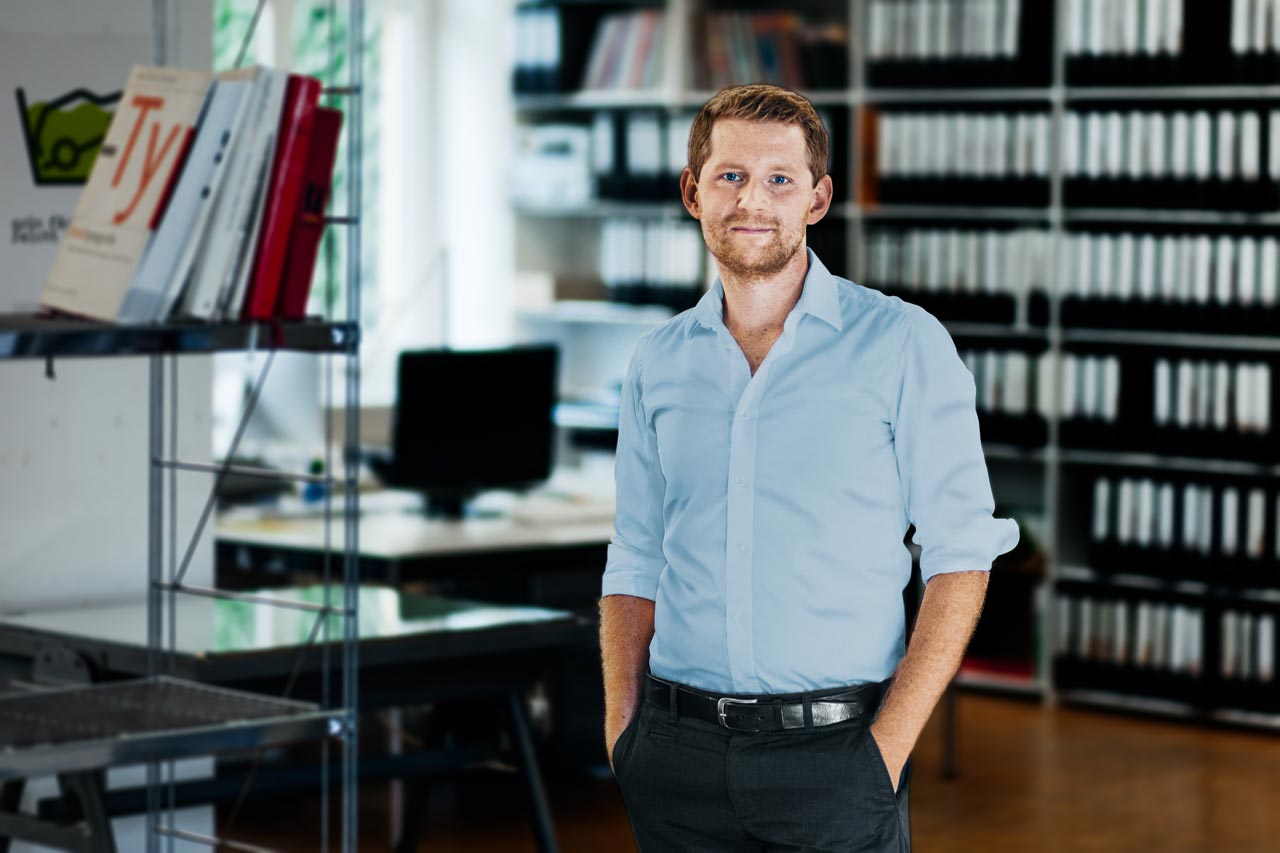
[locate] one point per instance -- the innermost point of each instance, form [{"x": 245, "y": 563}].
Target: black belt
[{"x": 766, "y": 713}]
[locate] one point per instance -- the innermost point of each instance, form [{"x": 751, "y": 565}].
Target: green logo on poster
[{"x": 63, "y": 135}]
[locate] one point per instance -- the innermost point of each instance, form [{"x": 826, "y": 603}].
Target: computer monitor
[{"x": 468, "y": 420}]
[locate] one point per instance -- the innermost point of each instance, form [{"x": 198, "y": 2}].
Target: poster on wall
[{"x": 57, "y": 96}]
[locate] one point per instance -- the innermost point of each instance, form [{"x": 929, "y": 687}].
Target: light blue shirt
[{"x": 765, "y": 515}]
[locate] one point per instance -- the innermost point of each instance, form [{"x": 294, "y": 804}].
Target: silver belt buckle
[{"x": 729, "y": 700}]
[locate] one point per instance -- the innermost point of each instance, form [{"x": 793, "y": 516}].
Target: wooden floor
[{"x": 1031, "y": 779}]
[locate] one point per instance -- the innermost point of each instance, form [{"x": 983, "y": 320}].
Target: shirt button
[
  {"x": 746, "y": 416},
  {"x": 741, "y": 481},
  {"x": 737, "y": 617},
  {"x": 741, "y": 548}
]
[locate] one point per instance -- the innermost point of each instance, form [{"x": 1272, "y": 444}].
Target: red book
[
  {"x": 308, "y": 223},
  {"x": 297, "y": 121}
]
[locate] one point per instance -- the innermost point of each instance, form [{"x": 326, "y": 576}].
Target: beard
[{"x": 752, "y": 261}]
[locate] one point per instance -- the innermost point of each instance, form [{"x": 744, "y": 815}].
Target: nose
[{"x": 753, "y": 195}]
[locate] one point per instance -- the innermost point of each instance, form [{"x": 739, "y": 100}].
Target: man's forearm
[
  {"x": 626, "y": 627},
  {"x": 948, "y": 614}
]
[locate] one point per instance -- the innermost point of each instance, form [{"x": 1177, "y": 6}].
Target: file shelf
[{"x": 1018, "y": 58}]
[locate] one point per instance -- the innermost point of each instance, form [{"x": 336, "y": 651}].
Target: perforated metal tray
[{"x": 129, "y": 722}]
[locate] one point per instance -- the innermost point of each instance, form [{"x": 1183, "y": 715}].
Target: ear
[
  {"x": 822, "y": 192},
  {"x": 689, "y": 193}
]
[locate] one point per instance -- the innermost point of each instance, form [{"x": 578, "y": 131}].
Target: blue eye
[
  {"x": 781, "y": 179},
  {"x": 731, "y": 176}
]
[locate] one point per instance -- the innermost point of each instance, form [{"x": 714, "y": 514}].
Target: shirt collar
[{"x": 819, "y": 297}]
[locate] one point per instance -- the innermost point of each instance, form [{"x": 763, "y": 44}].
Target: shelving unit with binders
[
  {"x": 1085, "y": 193},
  {"x": 79, "y": 731}
]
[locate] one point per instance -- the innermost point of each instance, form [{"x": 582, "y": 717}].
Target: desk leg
[{"x": 532, "y": 777}]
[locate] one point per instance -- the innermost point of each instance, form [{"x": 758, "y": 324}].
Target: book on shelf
[
  {"x": 297, "y": 120},
  {"x": 193, "y": 207},
  {"x": 125, "y": 196},
  {"x": 626, "y": 52},
  {"x": 221, "y": 259},
  {"x": 308, "y": 224}
]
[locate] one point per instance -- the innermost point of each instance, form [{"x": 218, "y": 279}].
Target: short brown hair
[{"x": 759, "y": 102}]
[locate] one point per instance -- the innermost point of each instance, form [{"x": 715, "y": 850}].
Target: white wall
[{"x": 73, "y": 451}]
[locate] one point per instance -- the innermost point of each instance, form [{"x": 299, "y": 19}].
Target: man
[{"x": 774, "y": 443}]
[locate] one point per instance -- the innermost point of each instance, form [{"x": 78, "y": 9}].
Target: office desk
[
  {"x": 498, "y": 556},
  {"x": 413, "y": 649}
]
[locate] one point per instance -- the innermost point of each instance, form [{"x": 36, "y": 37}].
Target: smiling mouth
[{"x": 744, "y": 230}]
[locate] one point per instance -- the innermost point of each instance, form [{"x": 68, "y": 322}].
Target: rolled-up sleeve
[
  {"x": 946, "y": 489},
  {"x": 635, "y": 557}
]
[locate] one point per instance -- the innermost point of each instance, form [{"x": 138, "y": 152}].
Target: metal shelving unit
[{"x": 77, "y": 732}]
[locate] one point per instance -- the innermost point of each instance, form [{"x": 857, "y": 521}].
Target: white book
[
  {"x": 1203, "y": 269},
  {"x": 1130, "y": 31},
  {"x": 602, "y": 144},
  {"x": 1262, "y": 396},
  {"x": 1152, "y": 29},
  {"x": 1268, "y": 270},
  {"x": 1266, "y": 644},
  {"x": 1104, "y": 244},
  {"x": 1146, "y": 522},
  {"x": 1181, "y": 145},
  {"x": 1144, "y": 636},
  {"x": 1247, "y": 271},
  {"x": 1230, "y": 520},
  {"x": 1205, "y": 526},
  {"x": 237, "y": 217},
  {"x": 1040, "y": 149},
  {"x": 1101, "y": 529},
  {"x": 1204, "y": 374},
  {"x": 1146, "y": 285},
  {"x": 1173, "y": 26},
  {"x": 1244, "y": 397},
  {"x": 981, "y": 126},
  {"x": 952, "y": 262},
  {"x": 1163, "y": 383},
  {"x": 1221, "y": 394},
  {"x": 1157, "y": 136},
  {"x": 973, "y": 263},
  {"x": 1184, "y": 389},
  {"x": 1071, "y": 144},
  {"x": 1069, "y": 373},
  {"x": 1195, "y": 642},
  {"x": 1135, "y": 149},
  {"x": 992, "y": 380},
  {"x": 1190, "y": 516},
  {"x": 1017, "y": 386},
  {"x": 1202, "y": 147},
  {"x": 1224, "y": 270},
  {"x": 1256, "y": 515},
  {"x": 1124, "y": 283},
  {"x": 1168, "y": 277},
  {"x": 945, "y": 19},
  {"x": 1240, "y": 21},
  {"x": 1177, "y": 643},
  {"x": 1115, "y": 151},
  {"x": 159, "y": 280},
  {"x": 1095, "y": 27},
  {"x": 1125, "y": 512},
  {"x": 678, "y": 128},
  {"x": 1009, "y": 21},
  {"x": 1230, "y": 637},
  {"x": 1273, "y": 144},
  {"x": 1190, "y": 248},
  {"x": 1120, "y": 640},
  {"x": 1159, "y": 636},
  {"x": 644, "y": 144},
  {"x": 922, "y": 43},
  {"x": 1227, "y": 145},
  {"x": 1110, "y": 388},
  {"x": 1273, "y": 41},
  {"x": 1085, "y": 637},
  {"x": 1259, "y": 27},
  {"x": 1092, "y": 386},
  {"x": 1095, "y": 140},
  {"x": 991, "y": 258},
  {"x": 1076, "y": 12},
  {"x": 1250, "y": 146},
  {"x": 1164, "y": 531},
  {"x": 1046, "y": 384},
  {"x": 876, "y": 26},
  {"x": 1245, "y": 645},
  {"x": 887, "y": 145}
]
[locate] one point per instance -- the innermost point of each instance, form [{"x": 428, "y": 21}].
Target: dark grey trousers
[{"x": 696, "y": 786}]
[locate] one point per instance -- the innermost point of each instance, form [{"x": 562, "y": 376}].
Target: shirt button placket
[{"x": 740, "y": 505}]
